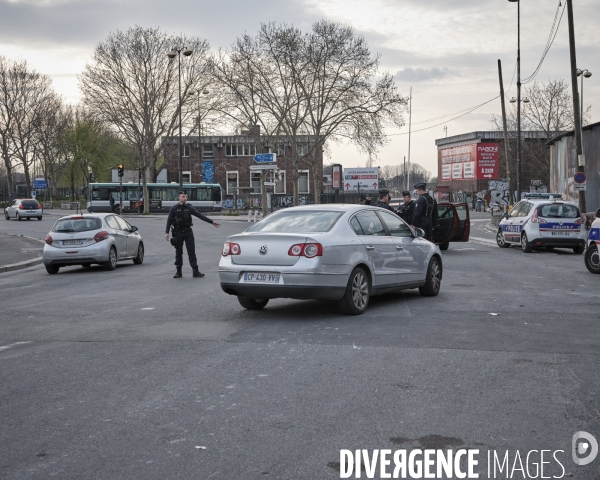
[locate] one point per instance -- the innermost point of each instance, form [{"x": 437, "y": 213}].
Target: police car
[
  {"x": 592, "y": 253},
  {"x": 543, "y": 220}
]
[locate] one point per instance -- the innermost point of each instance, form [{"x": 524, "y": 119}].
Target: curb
[{"x": 21, "y": 265}]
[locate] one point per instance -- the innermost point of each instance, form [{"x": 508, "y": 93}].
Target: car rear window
[
  {"x": 308, "y": 221},
  {"x": 30, "y": 204},
  {"x": 561, "y": 210},
  {"x": 77, "y": 225}
]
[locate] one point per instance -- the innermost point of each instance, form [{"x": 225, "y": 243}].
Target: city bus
[{"x": 206, "y": 197}]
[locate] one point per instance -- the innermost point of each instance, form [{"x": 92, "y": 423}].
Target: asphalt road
[{"x": 132, "y": 374}]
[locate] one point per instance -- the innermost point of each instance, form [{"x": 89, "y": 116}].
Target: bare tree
[
  {"x": 308, "y": 89},
  {"x": 132, "y": 84}
]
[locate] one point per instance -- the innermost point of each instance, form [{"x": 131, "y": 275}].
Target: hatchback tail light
[
  {"x": 230, "y": 248},
  {"x": 101, "y": 236},
  {"x": 48, "y": 239},
  {"x": 21, "y": 207},
  {"x": 308, "y": 250},
  {"x": 535, "y": 218},
  {"x": 580, "y": 221}
]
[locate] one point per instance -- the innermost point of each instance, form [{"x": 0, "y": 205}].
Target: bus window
[{"x": 216, "y": 194}]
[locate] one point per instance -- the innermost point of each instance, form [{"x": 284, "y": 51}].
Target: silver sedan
[
  {"x": 103, "y": 239},
  {"x": 341, "y": 253}
]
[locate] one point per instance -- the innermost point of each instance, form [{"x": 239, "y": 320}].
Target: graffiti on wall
[
  {"x": 286, "y": 201},
  {"x": 498, "y": 192}
]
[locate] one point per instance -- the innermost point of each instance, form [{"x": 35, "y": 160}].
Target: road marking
[
  {"x": 5, "y": 347},
  {"x": 485, "y": 241},
  {"x": 148, "y": 308}
]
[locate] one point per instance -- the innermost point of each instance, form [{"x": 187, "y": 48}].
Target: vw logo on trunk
[{"x": 263, "y": 250}]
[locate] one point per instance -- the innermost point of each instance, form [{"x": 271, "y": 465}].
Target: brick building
[{"x": 226, "y": 160}]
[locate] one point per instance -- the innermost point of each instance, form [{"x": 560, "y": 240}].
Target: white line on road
[
  {"x": 148, "y": 308},
  {"x": 6, "y": 347},
  {"x": 485, "y": 241}
]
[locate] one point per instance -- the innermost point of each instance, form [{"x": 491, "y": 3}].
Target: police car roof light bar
[{"x": 555, "y": 196}]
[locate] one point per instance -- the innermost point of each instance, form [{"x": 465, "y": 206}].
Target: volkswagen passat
[
  {"x": 341, "y": 253},
  {"x": 103, "y": 239}
]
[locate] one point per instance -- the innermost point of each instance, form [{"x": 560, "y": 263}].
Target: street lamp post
[
  {"x": 176, "y": 52},
  {"x": 518, "y": 98},
  {"x": 587, "y": 74}
]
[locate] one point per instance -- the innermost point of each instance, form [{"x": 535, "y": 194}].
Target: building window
[
  {"x": 281, "y": 149},
  {"x": 186, "y": 150},
  {"x": 233, "y": 181},
  {"x": 241, "y": 150},
  {"x": 302, "y": 149},
  {"x": 207, "y": 151},
  {"x": 303, "y": 183},
  {"x": 280, "y": 182},
  {"x": 186, "y": 176},
  {"x": 255, "y": 182}
]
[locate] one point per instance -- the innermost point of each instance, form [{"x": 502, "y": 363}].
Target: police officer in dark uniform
[
  {"x": 407, "y": 209},
  {"x": 384, "y": 200},
  {"x": 426, "y": 213},
  {"x": 180, "y": 220}
]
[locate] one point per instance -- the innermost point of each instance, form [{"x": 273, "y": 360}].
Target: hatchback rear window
[
  {"x": 561, "y": 210},
  {"x": 308, "y": 221},
  {"x": 77, "y": 225},
  {"x": 30, "y": 204}
]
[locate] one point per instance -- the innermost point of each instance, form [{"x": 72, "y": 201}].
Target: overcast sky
[{"x": 447, "y": 50}]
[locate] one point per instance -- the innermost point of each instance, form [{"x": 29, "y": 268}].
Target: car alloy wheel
[
  {"x": 139, "y": 259},
  {"x": 356, "y": 297},
  {"x": 112, "y": 259},
  {"x": 525, "y": 245},
  {"x": 500, "y": 240},
  {"x": 433, "y": 280},
  {"x": 592, "y": 259},
  {"x": 18, "y": 217}
]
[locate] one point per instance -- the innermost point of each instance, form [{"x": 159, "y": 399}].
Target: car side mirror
[
  {"x": 505, "y": 215},
  {"x": 133, "y": 229},
  {"x": 419, "y": 232}
]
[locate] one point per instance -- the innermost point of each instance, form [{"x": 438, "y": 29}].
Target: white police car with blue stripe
[
  {"x": 592, "y": 253},
  {"x": 543, "y": 221}
]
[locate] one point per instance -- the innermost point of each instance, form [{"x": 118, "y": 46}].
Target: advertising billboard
[
  {"x": 361, "y": 179},
  {"x": 336, "y": 176},
  {"x": 473, "y": 161}
]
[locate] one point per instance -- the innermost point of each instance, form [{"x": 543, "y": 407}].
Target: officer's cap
[
  {"x": 406, "y": 193},
  {"x": 421, "y": 186},
  {"x": 383, "y": 192}
]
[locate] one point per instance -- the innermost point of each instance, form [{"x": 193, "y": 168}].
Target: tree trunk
[{"x": 27, "y": 179}]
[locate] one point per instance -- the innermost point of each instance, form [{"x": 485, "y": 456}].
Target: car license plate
[
  {"x": 72, "y": 242},
  {"x": 559, "y": 234},
  {"x": 31, "y": 211},
  {"x": 255, "y": 277}
]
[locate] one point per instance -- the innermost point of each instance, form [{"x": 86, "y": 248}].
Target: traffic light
[
  {"x": 92, "y": 178},
  {"x": 120, "y": 170}
]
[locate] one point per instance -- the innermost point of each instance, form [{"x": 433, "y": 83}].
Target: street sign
[
  {"x": 270, "y": 184},
  {"x": 440, "y": 195},
  {"x": 580, "y": 177},
  {"x": 33, "y": 193},
  {"x": 39, "y": 184},
  {"x": 263, "y": 167},
  {"x": 265, "y": 158},
  {"x": 580, "y": 187}
]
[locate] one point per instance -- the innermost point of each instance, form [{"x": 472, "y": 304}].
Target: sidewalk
[{"x": 17, "y": 252}]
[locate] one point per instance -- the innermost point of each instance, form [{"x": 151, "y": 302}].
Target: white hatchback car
[
  {"x": 101, "y": 238},
  {"x": 23, "y": 208},
  {"x": 543, "y": 222}
]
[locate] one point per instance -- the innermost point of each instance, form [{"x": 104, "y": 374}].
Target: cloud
[{"x": 423, "y": 74}]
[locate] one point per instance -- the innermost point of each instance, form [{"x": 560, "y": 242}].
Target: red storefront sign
[{"x": 472, "y": 161}]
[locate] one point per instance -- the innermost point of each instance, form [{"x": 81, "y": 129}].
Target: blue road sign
[
  {"x": 39, "y": 184},
  {"x": 580, "y": 177},
  {"x": 265, "y": 158}
]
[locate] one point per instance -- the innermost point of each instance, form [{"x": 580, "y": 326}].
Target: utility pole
[
  {"x": 576, "y": 113},
  {"x": 409, "y": 128},
  {"x": 506, "y": 149}
]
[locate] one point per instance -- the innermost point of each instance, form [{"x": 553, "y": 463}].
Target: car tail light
[
  {"x": 580, "y": 221},
  {"x": 21, "y": 207},
  {"x": 101, "y": 236},
  {"x": 48, "y": 239},
  {"x": 308, "y": 250},
  {"x": 230, "y": 248},
  {"x": 39, "y": 207},
  {"x": 536, "y": 219}
]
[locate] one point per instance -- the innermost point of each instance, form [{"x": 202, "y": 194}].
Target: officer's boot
[
  {"x": 178, "y": 273},
  {"x": 197, "y": 273}
]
